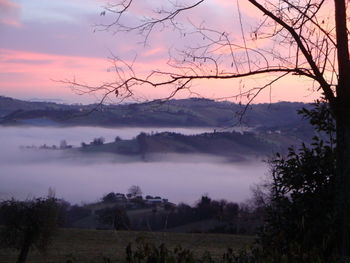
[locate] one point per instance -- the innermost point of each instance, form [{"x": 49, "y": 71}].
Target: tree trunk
[
  {"x": 22, "y": 258},
  {"x": 342, "y": 114},
  {"x": 343, "y": 184}
]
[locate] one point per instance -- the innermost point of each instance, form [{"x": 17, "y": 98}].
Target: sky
[{"x": 45, "y": 42}]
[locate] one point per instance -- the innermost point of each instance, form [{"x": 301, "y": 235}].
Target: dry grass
[{"x": 93, "y": 245}]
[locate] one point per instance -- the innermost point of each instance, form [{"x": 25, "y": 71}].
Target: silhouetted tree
[
  {"x": 115, "y": 217},
  {"x": 231, "y": 210},
  {"x": 204, "y": 207},
  {"x": 300, "y": 217},
  {"x": 28, "y": 224},
  {"x": 98, "y": 141},
  {"x": 109, "y": 198},
  {"x": 303, "y": 38},
  {"x": 135, "y": 191},
  {"x": 63, "y": 144},
  {"x": 142, "y": 143}
]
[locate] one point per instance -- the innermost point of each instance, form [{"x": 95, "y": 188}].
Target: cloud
[
  {"x": 9, "y": 13},
  {"x": 56, "y": 41},
  {"x": 32, "y": 73},
  {"x": 62, "y": 11},
  {"x": 29, "y": 61},
  {"x": 7, "y": 6},
  {"x": 154, "y": 51}
]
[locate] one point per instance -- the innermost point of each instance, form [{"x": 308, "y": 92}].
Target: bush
[
  {"x": 300, "y": 218},
  {"x": 145, "y": 252}
]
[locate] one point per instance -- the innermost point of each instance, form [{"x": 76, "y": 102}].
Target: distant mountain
[
  {"x": 172, "y": 113},
  {"x": 46, "y": 100}
]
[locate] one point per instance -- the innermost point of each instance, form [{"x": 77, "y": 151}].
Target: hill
[
  {"x": 172, "y": 113},
  {"x": 232, "y": 145}
]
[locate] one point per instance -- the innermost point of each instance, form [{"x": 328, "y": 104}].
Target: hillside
[
  {"x": 232, "y": 145},
  {"x": 172, "y": 113}
]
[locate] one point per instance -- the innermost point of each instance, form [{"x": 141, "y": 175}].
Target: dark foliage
[
  {"x": 142, "y": 144},
  {"x": 110, "y": 198},
  {"x": 28, "y": 224},
  {"x": 75, "y": 213},
  {"x": 145, "y": 252},
  {"x": 135, "y": 191},
  {"x": 300, "y": 218},
  {"x": 115, "y": 217},
  {"x": 228, "y": 213},
  {"x": 98, "y": 141}
]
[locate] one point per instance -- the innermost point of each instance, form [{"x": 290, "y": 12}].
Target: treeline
[
  {"x": 153, "y": 213},
  {"x": 207, "y": 215},
  {"x": 224, "y": 216}
]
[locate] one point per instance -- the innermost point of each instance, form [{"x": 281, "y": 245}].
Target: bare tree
[
  {"x": 306, "y": 38},
  {"x": 135, "y": 191}
]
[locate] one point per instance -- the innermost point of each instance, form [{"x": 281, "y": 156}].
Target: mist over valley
[
  {"x": 79, "y": 177},
  {"x": 180, "y": 159}
]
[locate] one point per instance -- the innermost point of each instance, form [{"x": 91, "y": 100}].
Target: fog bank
[{"x": 78, "y": 177}]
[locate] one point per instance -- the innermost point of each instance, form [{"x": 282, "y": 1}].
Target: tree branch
[{"x": 318, "y": 75}]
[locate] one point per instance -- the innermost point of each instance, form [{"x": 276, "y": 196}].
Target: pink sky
[{"x": 44, "y": 41}]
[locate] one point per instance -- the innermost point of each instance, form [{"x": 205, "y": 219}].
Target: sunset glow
[{"x": 44, "y": 43}]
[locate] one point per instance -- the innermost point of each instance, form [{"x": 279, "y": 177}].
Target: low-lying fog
[{"x": 84, "y": 178}]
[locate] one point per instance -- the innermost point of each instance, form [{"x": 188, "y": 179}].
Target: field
[{"x": 90, "y": 246}]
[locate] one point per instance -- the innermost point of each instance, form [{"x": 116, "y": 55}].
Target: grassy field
[{"x": 94, "y": 245}]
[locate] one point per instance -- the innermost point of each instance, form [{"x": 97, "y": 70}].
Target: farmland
[{"x": 93, "y": 246}]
